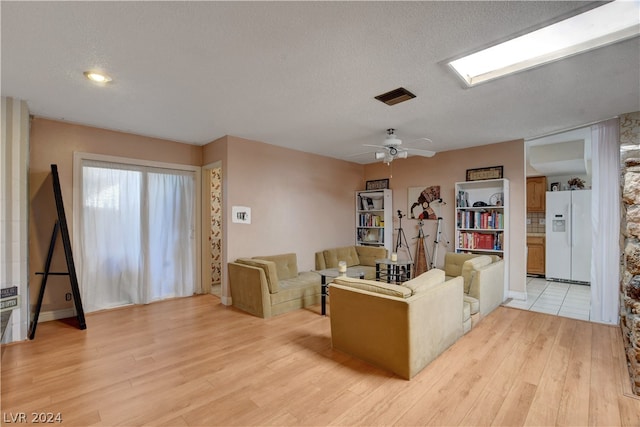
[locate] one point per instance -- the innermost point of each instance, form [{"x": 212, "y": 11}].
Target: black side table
[
  {"x": 393, "y": 271},
  {"x": 333, "y": 273}
]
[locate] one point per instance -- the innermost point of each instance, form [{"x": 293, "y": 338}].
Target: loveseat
[
  {"x": 266, "y": 286},
  {"x": 363, "y": 257},
  {"x": 401, "y": 328},
  {"x": 483, "y": 278}
]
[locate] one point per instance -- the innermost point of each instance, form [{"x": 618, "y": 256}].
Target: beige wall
[
  {"x": 299, "y": 202},
  {"x": 447, "y": 168},
  {"x": 54, "y": 142}
]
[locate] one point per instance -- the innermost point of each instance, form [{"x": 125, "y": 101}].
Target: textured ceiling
[{"x": 303, "y": 75}]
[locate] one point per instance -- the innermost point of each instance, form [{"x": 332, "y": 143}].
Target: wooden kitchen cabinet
[
  {"x": 535, "y": 255},
  {"x": 536, "y": 193}
]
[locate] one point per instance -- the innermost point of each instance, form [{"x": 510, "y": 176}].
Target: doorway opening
[
  {"x": 581, "y": 236},
  {"x": 212, "y": 226}
]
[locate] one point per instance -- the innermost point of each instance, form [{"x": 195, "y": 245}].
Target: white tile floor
[{"x": 560, "y": 299}]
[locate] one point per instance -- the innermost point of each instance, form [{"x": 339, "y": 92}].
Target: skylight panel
[{"x": 613, "y": 22}]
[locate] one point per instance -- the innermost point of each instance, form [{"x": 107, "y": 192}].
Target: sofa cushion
[
  {"x": 470, "y": 266},
  {"x": 306, "y": 285},
  {"x": 425, "y": 281},
  {"x": 347, "y": 253},
  {"x": 286, "y": 265},
  {"x": 466, "y": 311},
  {"x": 269, "y": 271},
  {"x": 473, "y": 303},
  {"x": 453, "y": 262},
  {"x": 374, "y": 286},
  {"x": 369, "y": 254}
]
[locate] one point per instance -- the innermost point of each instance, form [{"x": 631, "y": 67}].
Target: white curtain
[
  {"x": 137, "y": 236},
  {"x": 605, "y": 209}
]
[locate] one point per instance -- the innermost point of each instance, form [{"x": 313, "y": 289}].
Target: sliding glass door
[{"x": 137, "y": 241}]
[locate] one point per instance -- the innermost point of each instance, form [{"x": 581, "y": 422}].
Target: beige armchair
[
  {"x": 483, "y": 277},
  {"x": 270, "y": 285},
  {"x": 401, "y": 328}
]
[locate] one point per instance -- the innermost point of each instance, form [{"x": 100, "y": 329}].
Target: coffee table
[
  {"x": 332, "y": 273},
  {"x": 393, "y": 271}
]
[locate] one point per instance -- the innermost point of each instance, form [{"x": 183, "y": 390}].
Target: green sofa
[
  {"x": 266, "y": 286},
  {"x": 401, "y": 328},
  {"x": 363, "y": 257}
]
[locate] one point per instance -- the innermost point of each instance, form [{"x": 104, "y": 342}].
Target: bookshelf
[
  {"x": 482, "y": 217},
  {"x": 374, "y": 218}
]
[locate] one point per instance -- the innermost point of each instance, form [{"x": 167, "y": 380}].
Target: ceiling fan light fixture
[
  {"x": 402, "y": 154},
  {"x": 380, "y": 155}
]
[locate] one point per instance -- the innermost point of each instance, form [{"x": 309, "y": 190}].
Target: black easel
[{"x": 60, "y": 226}]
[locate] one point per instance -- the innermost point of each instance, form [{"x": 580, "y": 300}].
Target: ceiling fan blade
[
  {"x": 418, "y": 145},
  {"x": 419, "y": 152},
  {"x": 381, "y": 147}
]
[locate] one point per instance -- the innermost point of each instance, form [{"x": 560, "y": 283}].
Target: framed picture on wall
[
  {"x": 493, "y": 172},
  {"x": 555, "y": 186},
  {"x": 378, "y": 184}
]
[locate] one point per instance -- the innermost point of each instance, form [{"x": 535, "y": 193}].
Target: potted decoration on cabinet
[{"x": 576, "y": 184}]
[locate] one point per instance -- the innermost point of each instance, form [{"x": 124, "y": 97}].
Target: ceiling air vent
[{"x": 395, "y": 96}]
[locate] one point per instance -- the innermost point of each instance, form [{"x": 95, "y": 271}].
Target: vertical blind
[{"x": 137, "y": 241}]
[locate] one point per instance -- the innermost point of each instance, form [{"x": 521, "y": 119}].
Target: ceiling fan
[{"x": 392, "y": 148}]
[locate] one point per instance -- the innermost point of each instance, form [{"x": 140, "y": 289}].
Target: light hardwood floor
[{"x": 193, "y": 361}]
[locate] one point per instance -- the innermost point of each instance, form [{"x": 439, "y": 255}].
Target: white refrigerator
[{"x": 568, "y": 235}]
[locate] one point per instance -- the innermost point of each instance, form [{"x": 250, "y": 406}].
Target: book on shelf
[
  {"x": 370, "y": 220},
  {"x": 11, "y": 291},
  {"x": 492, "y": 220},
  {"x": 10, "y": 303},
  {"x": 477, "y": 240}
]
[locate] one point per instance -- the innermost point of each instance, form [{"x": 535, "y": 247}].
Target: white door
[
  {"x": 581, "y": 235},
  {"x": 137, "y": 240},
  {"x": 558, "y": 244}
]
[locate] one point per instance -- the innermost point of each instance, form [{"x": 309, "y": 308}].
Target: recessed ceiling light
[
  {"x": 98, "y": 77},
  {"x": 613, "y": 22}
]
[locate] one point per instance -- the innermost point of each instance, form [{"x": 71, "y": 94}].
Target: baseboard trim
[
  {"x": 225, "y": 300},
  {"x": 47, "y": 316},
  {"x": 517, "y": 295}
]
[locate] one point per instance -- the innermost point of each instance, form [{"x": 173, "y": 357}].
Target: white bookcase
[
  {"x": 482, "y": 217},
  {"x": 374, "y": 218}
]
